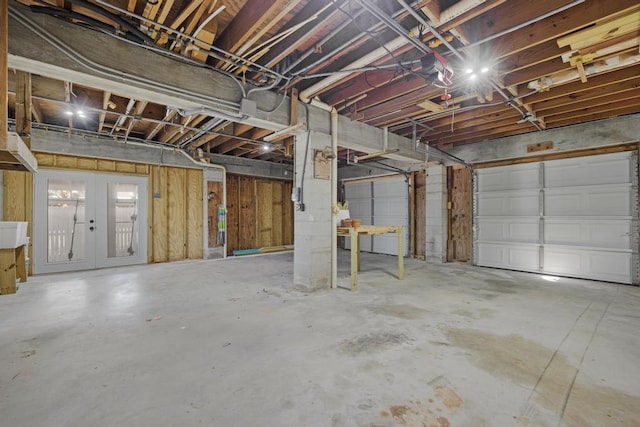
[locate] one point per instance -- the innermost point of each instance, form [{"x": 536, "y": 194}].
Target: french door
[{"x": 84, "y": 221}]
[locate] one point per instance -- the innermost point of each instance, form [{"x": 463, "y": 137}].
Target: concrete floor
[{"x": 228, "y": 343}]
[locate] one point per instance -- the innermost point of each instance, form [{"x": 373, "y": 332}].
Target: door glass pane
[
  {"x": 65, "y": 220},
  {"x": 122, "y": 220}
]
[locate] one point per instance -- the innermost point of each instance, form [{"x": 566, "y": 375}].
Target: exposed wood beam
[
  {"x": 4, "y": 72},
  {"x": 195, "y": 19},
  {"x": 513, "y": 129},
  {"x": 238, "y": 129},
  {"x": 184, "y": 134},
  {"x": 608, "y": 91},
  {"x": 191, "y": 7},
  {"x": 67, "y": 100},
  {"x": 594, "y": 82},
  {"x": 170, "y": 114},
  {"x": 36, "y": 110},
  {"x": 292, "y": 43},
  {"x": 137, "y": 112},
  {"x": 169, "y": 133},
  {"x": 23, "y": 106},
  {"x": 162, "y": 17},
  {"x": 551, "y": 28},
  {"x": 106, "y": 97},
  {"x": 253, "y": 15},
  {"x": 590, "y": 116},
  {"x": 432, "y": 10},
  {"x": 620, "y": 100},
  {"x": 597, "y": 109},
  {"x": 151, "y": 9}
]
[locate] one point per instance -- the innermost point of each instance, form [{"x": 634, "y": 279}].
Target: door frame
[{"x": 96, "y": 184}]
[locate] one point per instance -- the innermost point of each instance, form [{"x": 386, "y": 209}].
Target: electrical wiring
[
  {"x": 191, "y": 39},
  {"x": 284, "y": 96},
  {"x": 105, "y": 70}
]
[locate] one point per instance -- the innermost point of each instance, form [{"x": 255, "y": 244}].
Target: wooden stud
[
  {"x": 185, "y": 13},
  {"x": 4, "y": 74},
  {"x": 177, "y": 213},
  {"x": 194, "y": 222},
  {"x": 400, "y": 252},
  {"x": 23, "y": 106},
  {"x": 355, "y": 252}
]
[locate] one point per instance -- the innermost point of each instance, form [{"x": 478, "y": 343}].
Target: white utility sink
[{"x": 13, "y": 234}]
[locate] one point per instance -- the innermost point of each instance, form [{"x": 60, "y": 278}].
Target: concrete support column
[
  {"x": 312, "y": 226},
  {"x": 436, "y": 212}
]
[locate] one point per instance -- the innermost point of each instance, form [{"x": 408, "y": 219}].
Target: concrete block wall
[
  {"x": 312, "y": 240},
  {"x": 436, "y": 214}
]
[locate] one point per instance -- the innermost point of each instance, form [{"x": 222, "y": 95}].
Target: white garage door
[
  {"x": 381, "y": 201},
  {"x": 572, "y": 217}
]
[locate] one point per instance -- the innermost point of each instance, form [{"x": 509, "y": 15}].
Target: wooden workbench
[{"x": 369, "y": 230}]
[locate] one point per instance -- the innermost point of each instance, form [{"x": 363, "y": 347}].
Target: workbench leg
[
  {"x": 359, "y": 262},
  {"x": 400, "y": 254},
  {"x": 7, "y": 271},
  {"x": 21, "y": 269},
  {"x": 355, "y": 255}
]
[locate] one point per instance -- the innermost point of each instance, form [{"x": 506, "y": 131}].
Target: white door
[
  {"x": 84, "y": 221},
  {"x": 380, "y": 201},
  {"x": 571, "y": 217}
]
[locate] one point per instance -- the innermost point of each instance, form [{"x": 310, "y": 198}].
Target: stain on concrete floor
[
  {"x": 401, "y": 311},
  {"x": 373, "y": 342},
  {"x": 511, "y": 356},
  {"x": 524, "y": 362}
]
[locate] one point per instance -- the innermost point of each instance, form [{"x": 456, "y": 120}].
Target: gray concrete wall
[
  {"x": 91, "y": 146},
  {"x": 312, "y": 242},
  {"x": 436, "y": 212},
  {"x": 588, "y": 135},
  {"x": 240, "y": 166}
]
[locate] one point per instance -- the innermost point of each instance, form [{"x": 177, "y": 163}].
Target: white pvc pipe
[{"x": 334, "y": 198}]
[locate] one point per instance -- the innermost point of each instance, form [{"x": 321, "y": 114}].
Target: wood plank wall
[
  {"x": 259, "y": 213},
  {"x": 175, "y": 201}
]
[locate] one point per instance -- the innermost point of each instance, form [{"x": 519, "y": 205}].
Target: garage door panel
[
  {"x": 509, "y": 229},
  {"x": 390, "y": 208},
  {"x": 388, "y": 244},
  {"x": 608, "y": 169},
  {"x": 380, "y": 201},
  {"x": 610, "y": 266},
  {"x": 606, "y": 233},
  {"x": 508, "y": 177},
  {"x": 511, "y": 256},
  {"x": 586, "y": 224},
  {"x": 394, "y": 188},
  {"x": 601, "y": 200},
  {"x": 359, "y": 190},
  {"x": 511, "y": 203},
  {"x": 361, "y": 208}
]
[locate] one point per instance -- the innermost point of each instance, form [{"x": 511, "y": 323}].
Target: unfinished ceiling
[{"x": 444, "y": 72}]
